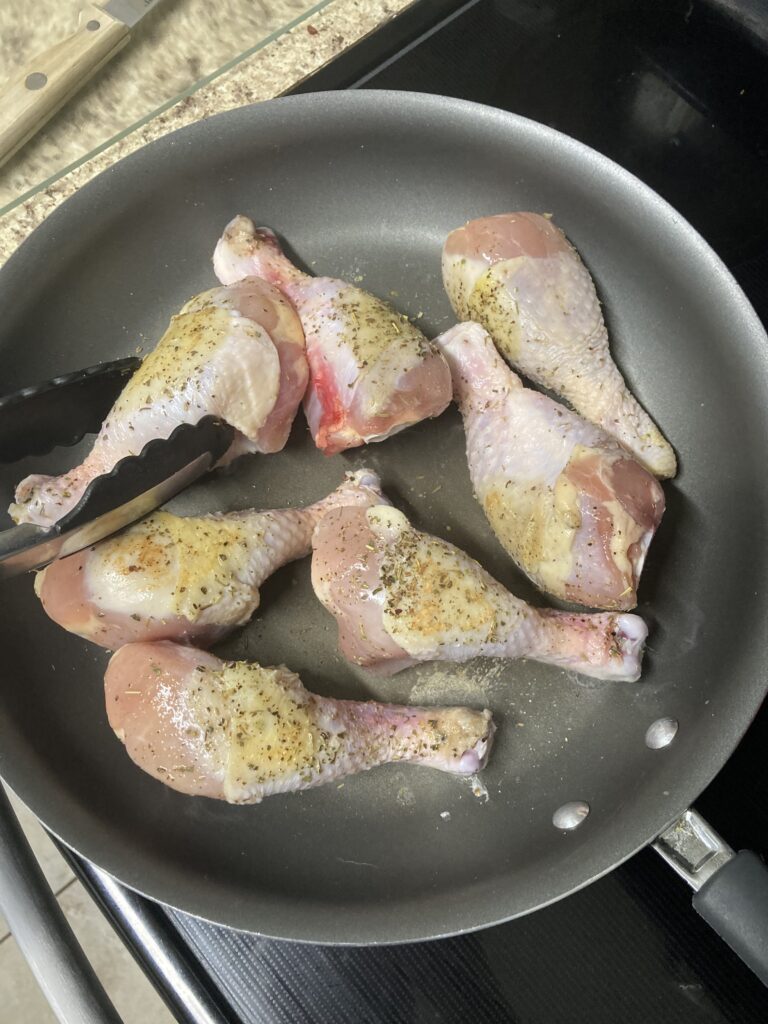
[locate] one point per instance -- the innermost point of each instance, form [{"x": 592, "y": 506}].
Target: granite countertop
[
  {"x": 306, "y": 45},
  {"x": 175, "y": 46}
]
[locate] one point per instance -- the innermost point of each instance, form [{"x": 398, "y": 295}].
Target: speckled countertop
[{"x": 319, "y": 36}]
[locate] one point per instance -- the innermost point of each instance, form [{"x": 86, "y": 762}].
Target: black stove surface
[{"x": 677, "y": 92}]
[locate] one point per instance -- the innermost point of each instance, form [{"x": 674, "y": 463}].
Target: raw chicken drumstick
[
  {"x": 239, "y": 732},
  {"x": 518, "y": 275},
  {"x": 400, "y": 597},
  {"x": 237, "y": 353},
  {"x": 372, "y": 371},
  {"x": 568, "y": 503},
  {"x": 190, "y": 578}
]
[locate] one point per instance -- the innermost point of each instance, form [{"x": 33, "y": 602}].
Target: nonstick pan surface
[{"x": 365, "y": 186}]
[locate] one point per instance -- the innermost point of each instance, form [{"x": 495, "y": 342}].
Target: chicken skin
[
  {"x": 372, "y": 372},
  {"x": 400, "y": 597},
  {"x": 237, "y": 353},
  {"x": 238, "y": 732},
  {"x": 518, "y": 276},
  {"x": 569, "y": 504},
  {"x": 188, "y": 578}
]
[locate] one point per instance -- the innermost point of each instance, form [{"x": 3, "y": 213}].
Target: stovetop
[{"x": 677, "y": 92}]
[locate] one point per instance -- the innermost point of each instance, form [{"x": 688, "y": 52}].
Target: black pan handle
[
  {"x": 735, "y": 903},
  {"x": 730, "y": 889}
]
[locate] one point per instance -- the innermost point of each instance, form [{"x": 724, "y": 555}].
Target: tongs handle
[{"x": 60, "y": 411}]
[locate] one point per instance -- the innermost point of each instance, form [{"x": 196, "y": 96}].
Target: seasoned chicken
[
  {"x": 518, "y": 276},
  {"x": 372, "y": 371},
  {"x": 400, "y": 597},
  {"x": 191, "y": 578},
  {"x": 239, "y": 732},
  {"x": 568, "y": 503},
  {"x": 237, "y": 353}
]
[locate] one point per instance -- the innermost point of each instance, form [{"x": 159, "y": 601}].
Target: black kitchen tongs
[{"x": 60, "y": 412}]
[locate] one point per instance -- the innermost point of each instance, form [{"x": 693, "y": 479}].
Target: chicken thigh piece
[
  {"x": 574, "y": 510},
  {"x": 237, "y": 353},
  {"x": 517, "y": 275},
  {"x": 188, "y": 578},
  {"x": 372, "y": 372},
  {"x": 400, "y": 597},
  {"x": 238, "y": 732}
]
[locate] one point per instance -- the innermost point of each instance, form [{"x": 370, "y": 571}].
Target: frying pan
[{"x": 364, "y": 186}]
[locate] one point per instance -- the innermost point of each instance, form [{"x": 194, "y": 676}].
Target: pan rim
[{"x": 244, "y": 914}]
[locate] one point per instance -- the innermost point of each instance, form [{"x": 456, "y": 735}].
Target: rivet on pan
[
  {"x": 570, "y": 815},
  {"x": 661, "y": 733}
]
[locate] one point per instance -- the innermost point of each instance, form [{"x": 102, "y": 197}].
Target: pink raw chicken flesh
[
  {"x": 400, "y": 597},
  {"x": 568, "y": 503},
  {"x": 239, "y": 732},
  {"x": 372, "y": 371},
  {"x": 237, "y": 353},
  {"x": 191, "y": 578},
  {"x": 517, "y": 275}
]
